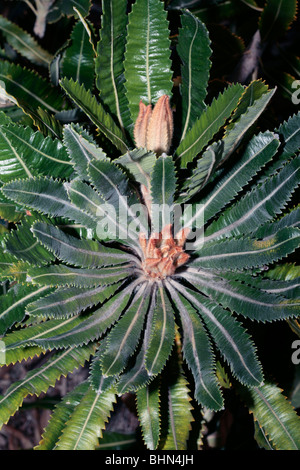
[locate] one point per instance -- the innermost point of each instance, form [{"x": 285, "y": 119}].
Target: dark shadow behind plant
[{"x": 161, "y": 317}]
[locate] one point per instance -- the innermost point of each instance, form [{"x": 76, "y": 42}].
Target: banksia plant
[{"x": 144, "y": 236}]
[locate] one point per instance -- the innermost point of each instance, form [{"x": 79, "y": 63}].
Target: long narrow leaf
[
  {"x": 208, "y": 124},
  {"x": 147, "y": 58},
  {"x": 194, "y": 51},
  {"x": 39, "y": 380},
  {"x": 95, "y": 111},
  {"x": 148, "y": 407},
  {"x": 81, "y": 253},
  {"x": 109, "y": 61},
  {"x": 87, "y": 421},
  {"x": 13, "y": 304},
  {"x": 275, "y": 415},
  {"x": 230, "y": 337},
  {"x": 197, "y": 352}
]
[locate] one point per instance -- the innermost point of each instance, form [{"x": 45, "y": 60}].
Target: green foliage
[
  {"x": 96, "y": 274},
  {"x": 147, "y": 58}
]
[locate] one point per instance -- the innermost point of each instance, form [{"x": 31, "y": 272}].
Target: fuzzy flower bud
[{"x": 153, "y": 129}]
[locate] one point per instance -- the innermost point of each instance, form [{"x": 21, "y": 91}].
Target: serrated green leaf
[
  {"x": 162, "y": 335},
  {"x": 229, "y": 335},
  {"x": 78, "y": 252},
  {"x": 148, "y": 408},
  {"x": 27, "y": 89},
  {"x": 95, "y": 325},
  {"x": 98, "y": 381},
  {"x": 252, "y": 103},
  {"x": 289, "y": 220},
  {"x": 39, "y": 380},
  {"x": 95, "y": 111},
  {"x": 198, "y": 354},
  {"x": 62, "y": 412},
  {"x": 259, "y": 206},
  {"x": 17, "y": 341},
  {"x": 259, "y": 151},
  {"x": 87, "y": 421},
  {"x": 275, "y": 415},
  {"x": 9, "y": 211},
  {"x": 78, "y": 58},
  {"x": 271, "y": 282},
  {"x": 69, "y": 301},
  {"x": 208, "y": 124},
  {"x": 60, "y": 275},
  {"x": 243, "y": 299},
  {"x": 194, "y": 51},
  {"x": 179, "y": 413},
  {"x": 276, "y": 18},
  {"x": 136, "y": 377},
  {"x": 123, "y": 339},
  {"x": 290, "y": 132},
  {"x": 22, "y": 244},
  {"x": 81, "y": 149},
  {"x": 25, "y": 152},
  {"x": 13, "y": 304},
  {"x": 47, "y": 196},
  {"x": 140, "y": 163},
  {"x": 113, "y": 185},
  {"x": 109, "y": 61},
  {"x": 24, "y": 43},
  {"x": 162, "y": 190},
  {"x": 147, "y": 58},
  {"x": 245, "y": 252}
]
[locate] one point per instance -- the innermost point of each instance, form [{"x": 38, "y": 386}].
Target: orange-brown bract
[
  {"x": 153, "y": 129},
  {"x": 163, "y": 254}
]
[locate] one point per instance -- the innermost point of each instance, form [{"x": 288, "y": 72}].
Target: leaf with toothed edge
[
  {"x": 85, "y": 425},
  {"x": 109, "y": 66},
  {"x": 47, "y": 196},
  {"x": 13, "y": 304},
  {"x": 69, "y": 301},
  {"x": 60, "y": 275},
  {"x": 259, "y": 151},
  {"x": 229, "y": 335},
  {"x": 162, "y": 190},
  {"x": 81, "y": 148},
  {"x": 78, "y": 252},
  {"x": 39, "y": 380},
  {"x": 198, "y": 354},
  {"x": 23, "y": 246},
  {"x": 179, "y": 412},
  {"x": 274, "y": 414},
  {"x": 98, "y": 381},
  {"x": 208, "y": 124},
  {"x": 136, "y": 377},
  {"x": 123, "y": 339},
  {"x": 60, "y": 415},
  {"x": 246, "y": 300},
  {"x": 162, "y": 334},
  {"x": 94, "y": 325},
  {"x": 259, "y": 206},
  {"x": 28, "y": 90},
  {"x": 194, "y": 51},
  {"x": 24, "y": 43},
  {"x": 148, "y": 408},
  {"x": 235, "y": 254},
  {"x": 95, "y": 111},
  {"x": 26, "y": 153},
  {"x": 147, "y": 64}
]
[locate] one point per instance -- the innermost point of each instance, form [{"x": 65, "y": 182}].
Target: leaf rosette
[{"x": 155, "y": 255}]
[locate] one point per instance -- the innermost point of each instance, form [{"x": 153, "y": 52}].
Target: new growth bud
[{"x": 153, "y": 129}]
